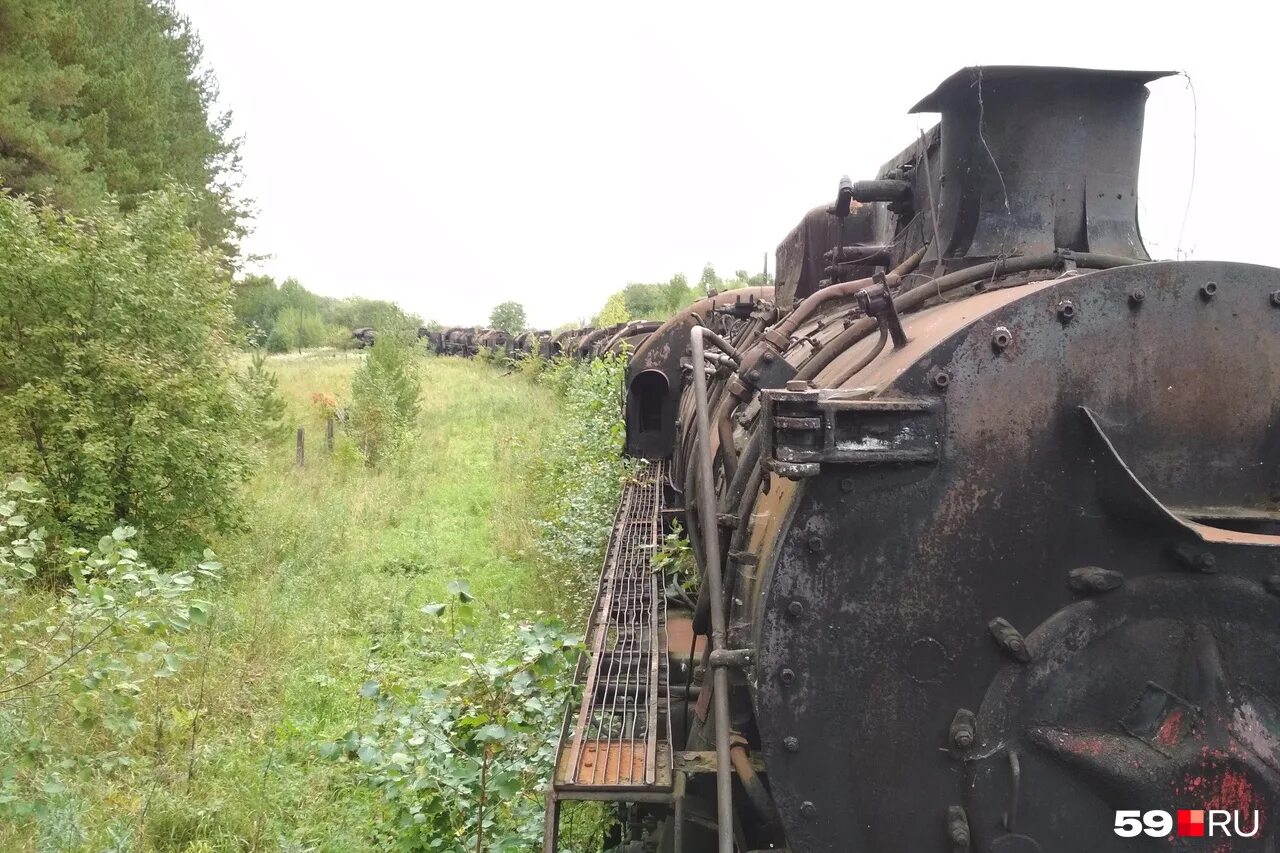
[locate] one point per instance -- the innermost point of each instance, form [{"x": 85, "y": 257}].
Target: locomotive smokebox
[{"x": 1033, "y": 159}]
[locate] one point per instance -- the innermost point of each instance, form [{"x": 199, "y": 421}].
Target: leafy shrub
[
  {"x": 88, "y": 655},
  {"x": 462, "y": 765},
  {"x": 531, "y": 365},
  {"x": 115, "y": 379},
  {"x": 384, "y": 397},
  {"x": 298, "y": 329},
  {"x": 583, "y": 469}
]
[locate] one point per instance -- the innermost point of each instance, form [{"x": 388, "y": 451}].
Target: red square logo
[{"x": 1191, "y": 822}]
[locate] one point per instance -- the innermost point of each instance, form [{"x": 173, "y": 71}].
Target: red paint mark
[
  {"x": 1234, "y": 793},
  {"x": 1170, "y": 729}
]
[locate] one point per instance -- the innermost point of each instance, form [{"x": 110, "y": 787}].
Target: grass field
[{"x": 322, "y": 590}]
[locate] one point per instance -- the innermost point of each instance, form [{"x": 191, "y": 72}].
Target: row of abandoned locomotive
[
  {"x": 583, "y": 343},
  {"x": 985, "y": 506}
]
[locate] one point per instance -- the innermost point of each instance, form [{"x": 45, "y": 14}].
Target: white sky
[{"x": 450, "y": 156}]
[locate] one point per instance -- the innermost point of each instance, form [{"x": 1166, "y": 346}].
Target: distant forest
[
  {"x": 287, "y": 316},
  {"x": 661, "y": 301}
]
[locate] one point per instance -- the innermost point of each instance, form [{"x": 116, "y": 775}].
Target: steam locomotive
[
  {"x": 985, "y": 506},
  {"x": 582, "y": 343}
]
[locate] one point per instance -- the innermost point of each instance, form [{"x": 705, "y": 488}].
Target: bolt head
[
  {"x": 787, "y": 676},
  {"x": 1001, "y": 338},
  {"x": 808, "y": 809},
  {"x": 1136, "y": 297},
  {"x": 1066, "y": 310},
  {"x": 941, "y": 379},
  {"x": 795, "y": 610},
  {"x": 846, "y": 485},
  {"x": 791, "y": 744},
  {"x": 1208, "y": 290},
  {"x": 964, "y": 739}
]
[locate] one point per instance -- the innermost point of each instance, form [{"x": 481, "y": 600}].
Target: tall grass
[{"x": 323, "y": 589}]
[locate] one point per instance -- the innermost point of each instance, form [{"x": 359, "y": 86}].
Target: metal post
[
  {"x": 302, "y": 441},
  {"x": 711, "y": 550},
  {"x": 328, "y": 434}
]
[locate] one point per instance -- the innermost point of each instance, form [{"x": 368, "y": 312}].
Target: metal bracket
[
  {"x": 804, "y": 430},
  {"x": 876, "y": 301}
]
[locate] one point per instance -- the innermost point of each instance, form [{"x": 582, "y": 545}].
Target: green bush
[
  {"x": 115, "y": 380},
  {"x": 298, "y": 329},
  {"x": 583, "y": 469},
  {"x": 84, "y": 657},
  {"x": 384, "y": 397},
  {"x": 462, "y": 764}
]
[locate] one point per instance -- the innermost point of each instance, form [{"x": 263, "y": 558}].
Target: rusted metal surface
[
  {"x": 620, "y": 736},
  {"x": 899, "y": 569},
  {"x": 998, "y": 532}
]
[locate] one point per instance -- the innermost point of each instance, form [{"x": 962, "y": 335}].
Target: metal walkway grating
[{"x": 620, "y": 737}]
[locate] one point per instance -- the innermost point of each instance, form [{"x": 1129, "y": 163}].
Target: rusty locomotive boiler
[{"x": 985, "y": 506}]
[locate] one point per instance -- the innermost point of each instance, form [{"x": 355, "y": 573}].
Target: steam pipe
[
  {"x": 779, "y": 334},
  {"x": 866, "y": 359},
  {"x": 916, "y": 297},
  {"x": 725, "y": 347},
  {"x": 711, "y": 556},
  {"x": 724, "y": 426},
  {"x": 756, "y": 793}
]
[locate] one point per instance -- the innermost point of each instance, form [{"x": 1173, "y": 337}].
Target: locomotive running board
[{"x": 616, "y": 745}]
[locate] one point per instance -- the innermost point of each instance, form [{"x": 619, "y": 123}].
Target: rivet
[
  {"x": 815, "y": 543},
  {"x": 1206, "y": 562},
  {"x": 1136, "y": 297},
  {"x": 963, "y": 727},
  {"x": 795, "y": 610},
  {"x": 1001, "y": 338},
  {"x": 808, "y": 809},
  {"x": 1091, "y": 580},
  {"x": 1011, "y": 642},
  {"x": 1208, "y": 289},
  {"x": 1275, "y": 298},
  {"x": 958, "y": 829},
  {"x": 1066, "y": 310},
  {"x": 846, "y": 485},
  {"x": 791, "y": 744},
  {"x": 787, "y": 676}
]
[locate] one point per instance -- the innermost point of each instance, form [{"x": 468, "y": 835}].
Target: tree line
[
  {"x": 285, "y": 316},
  {"x": 660, "y": 301}
]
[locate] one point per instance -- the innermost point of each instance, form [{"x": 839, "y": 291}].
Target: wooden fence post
[
  {"x": 302, "y": 442},
  {"x": 328, "y": 434}
]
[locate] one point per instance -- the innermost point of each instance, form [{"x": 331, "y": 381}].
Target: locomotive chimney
[{"x": 1032, "y": 159}]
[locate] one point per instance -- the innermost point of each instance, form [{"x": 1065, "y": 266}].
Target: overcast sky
[{"x": 450, "y": 156}]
